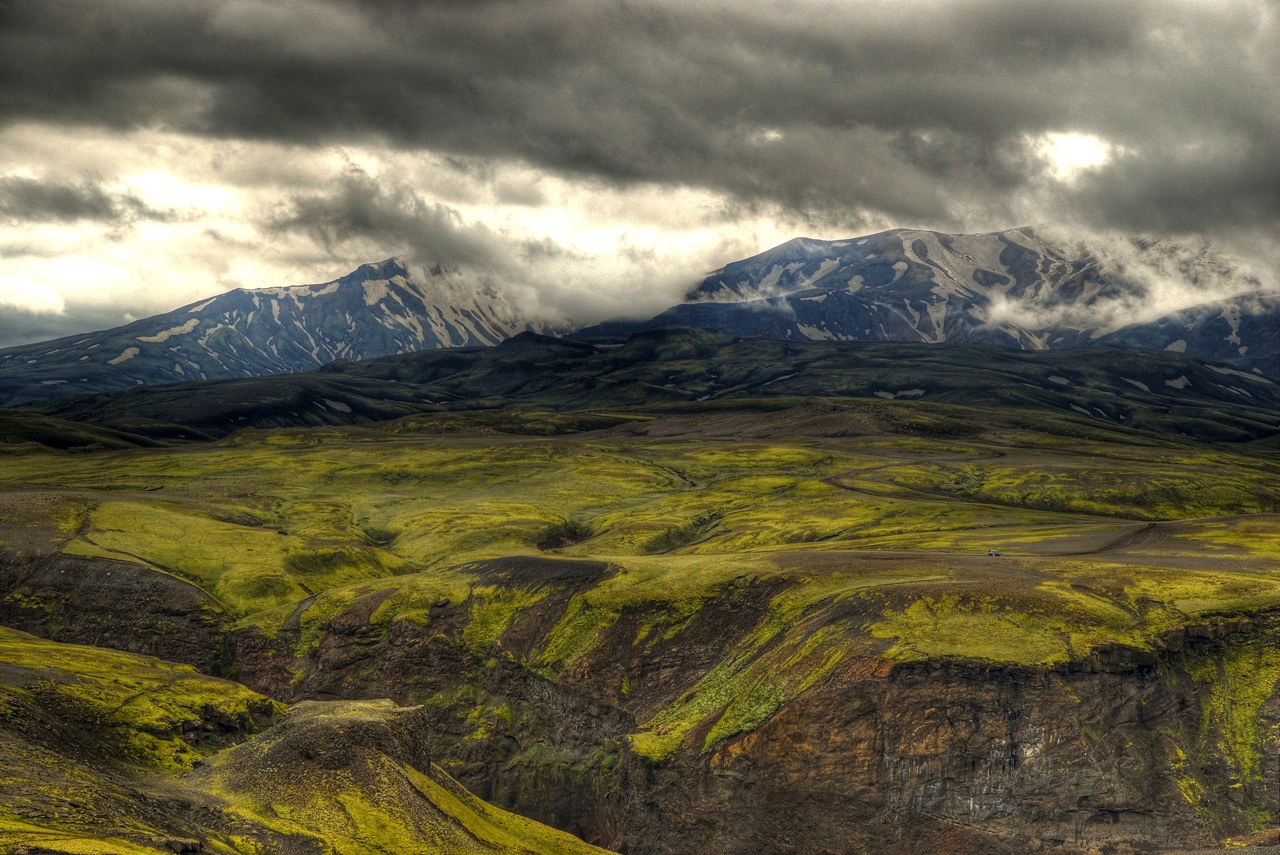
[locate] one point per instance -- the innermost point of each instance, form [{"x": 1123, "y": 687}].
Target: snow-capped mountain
[
  {"x": 377, "y": 310},
  {"x": 1011, "y": 288},
  {"x": 1242, "y": 331}
]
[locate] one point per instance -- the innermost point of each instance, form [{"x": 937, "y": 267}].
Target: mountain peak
[
  {"x": 1014, "y": 288},
  {"x": 375, "y": 310},
  {"x": 386, "y": 269}
]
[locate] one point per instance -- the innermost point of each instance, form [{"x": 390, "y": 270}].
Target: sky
[{"x": 583, "y": 159}]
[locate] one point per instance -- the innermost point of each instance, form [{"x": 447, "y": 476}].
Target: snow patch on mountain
[{"x": 165, "y": 335}]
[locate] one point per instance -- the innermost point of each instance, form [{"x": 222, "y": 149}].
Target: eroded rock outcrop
[
  {"x": 115, "y": 604},
  {"x": 1120, "y": 750}
]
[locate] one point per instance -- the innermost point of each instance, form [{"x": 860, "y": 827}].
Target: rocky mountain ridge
[
  {"x": 1012, "y": 288},
  {"x": 377, "y": 310}
]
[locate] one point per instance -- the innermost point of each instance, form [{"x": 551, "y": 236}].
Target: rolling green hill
[
  {"x": 668, "y": 369},
  {"x": 677, "y": 594},
  {"x": 642, "y": 627},
  {"x": 104, "y": 753}
]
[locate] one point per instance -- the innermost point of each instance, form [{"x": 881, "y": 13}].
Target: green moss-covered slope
[
  {"x": 350, "y": 791},
  {"x": 97, "y": 750},
  {"x": 712, "y": 571}
]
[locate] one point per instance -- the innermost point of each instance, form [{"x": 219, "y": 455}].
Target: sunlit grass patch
[
  {"x": 1245, "y": 679},
  {"x": 1194, "y": 592},
  {"x": 1026, "y": 631},
  {"x": 402, "y": 598},
  {"x": 682, "y": 515},
  {"x": 761, "y": 671},
  {"x": 492, "y": 610},
  {"x": 143, "y": 709},
  {"x": 791, "y": 649},
  {"x": 1255, "y": 537},
  {"x": 463, "y": 531},
  {"x": 17, "y": 835},
  {"x": 247, "y": 568},
  {"x": 370, "y": 803},
  {"x": 1150, "y": 489},
  {"x": 977, "y": 530}
]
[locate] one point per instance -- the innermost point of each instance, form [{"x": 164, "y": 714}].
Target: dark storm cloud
[
  {"x": 386, "y": 214},
  {"x": 920, "y": 112},
  {"x": 25, "y": 199},
  {"x": 1238, "y": 183}
]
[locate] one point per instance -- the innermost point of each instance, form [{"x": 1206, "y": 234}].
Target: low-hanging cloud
[
  {"x": 526, "y": 275},
  {"x": 359, "y": 208},
  {"x": 1133, "y": 281}
]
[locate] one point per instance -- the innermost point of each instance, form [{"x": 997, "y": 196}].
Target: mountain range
[
  {"x": 1011, "y": 288},
  {"x": 376, "y": 310}
]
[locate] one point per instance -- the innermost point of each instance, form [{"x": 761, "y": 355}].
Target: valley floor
[{"x": 744, "y": 630}]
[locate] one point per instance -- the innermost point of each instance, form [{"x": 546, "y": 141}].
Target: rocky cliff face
[
  {"x": 1121, "y": 751},
  {"x": 113, "y": 604}
]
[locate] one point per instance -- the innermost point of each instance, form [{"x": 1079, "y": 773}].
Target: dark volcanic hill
[
  {"x": 1011, "y": 288},
  {"x": 1113, "y": 387},
  {"x": 377, "y": 310}
]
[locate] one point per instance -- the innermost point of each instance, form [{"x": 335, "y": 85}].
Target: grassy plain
[
  {"x": 871, "y": 509},
  {"x": 871, "y": 520}
]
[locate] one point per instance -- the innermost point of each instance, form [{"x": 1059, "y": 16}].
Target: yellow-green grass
[
  {"x": 1045, "y": 627},
  {"x": 763, "y": 669},
  {"x": 1195, "y": 592},
  {"x": 744, "y": 690},
  {"x": 1256, "y": 537},
  {"x": 868, "y": 546},
  {"x": 145, "y": 710},
  {"x": 40, "y": 520},
  {"x": 248, "y": 568},
  {"x": 1236, "y": 686},
  {"x": 1052, "y": 611},
  {"x": 969, "y": 530},
  {"x": 402, "y": 598},
  {"x": 49, "y": 796},
  {"x": 363, "y": 511},
  {"x": 1233, "y": 686},
  {"x": 492, "y": 610},
  {"x": 140, "y": 716},
  {"x": 17, "y": 835},
  {"x": 370, "y": 803},
  {"x": 1108, "y": 486}
]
